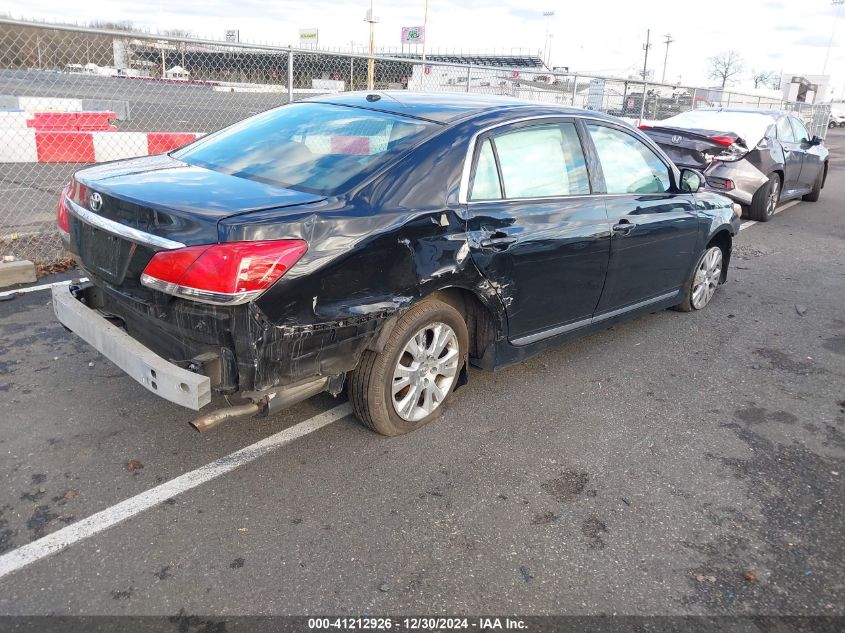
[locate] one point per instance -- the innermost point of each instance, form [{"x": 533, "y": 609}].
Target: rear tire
[
  {"x": 407, "y": 384},
  {"x": 765, "y": 200},
  {"x": 816, "y": 191}
]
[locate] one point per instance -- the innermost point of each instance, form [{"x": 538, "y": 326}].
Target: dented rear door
[{"x": 536, "y": 231}]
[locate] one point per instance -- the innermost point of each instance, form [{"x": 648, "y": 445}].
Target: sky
[{"x": 604, "y": 37}]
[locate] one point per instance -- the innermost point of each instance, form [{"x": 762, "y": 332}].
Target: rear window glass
[
  {"x": 315, "y": 147},
  {"x": 749, "y": 126}
]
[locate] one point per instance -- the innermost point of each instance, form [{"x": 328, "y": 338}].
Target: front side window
[
  {"x": 316, "y": 147},
  {"x": 801, "y": 133},
  {"x": 629, "y": 165},
  {"x": 785, "y": 132},
  {"x": 542, "y": 161}
]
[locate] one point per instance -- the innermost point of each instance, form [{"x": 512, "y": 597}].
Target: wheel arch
[
  {"x": 484, "y": 325},
  {"x": 723, "y": 239}
]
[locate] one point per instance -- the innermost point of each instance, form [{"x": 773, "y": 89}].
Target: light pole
[
  {"x": 668, "y": 41},
  {"x": 371, "y": 62},
  {"x": 546, "y": 46},
  {"x": 837, "y": 4},
  {"x": 425, "y": 27}
]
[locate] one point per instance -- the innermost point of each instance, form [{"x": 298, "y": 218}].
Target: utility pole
[
  {"x": 646, "y": 46},
  {"x": 668, "y": 41}
]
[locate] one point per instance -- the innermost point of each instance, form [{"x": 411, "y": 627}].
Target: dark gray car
[{"x": 755, "y": 157}]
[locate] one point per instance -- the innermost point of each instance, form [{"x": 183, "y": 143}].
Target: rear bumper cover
[
  {"x": 158, "y": 375},
  {"x": 747, "y": 179}
]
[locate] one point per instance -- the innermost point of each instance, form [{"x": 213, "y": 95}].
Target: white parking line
[
  {"x": 21, "y": 291},
  {"x": 65, "y": 537},
  {"x": 748, "y": 223}
]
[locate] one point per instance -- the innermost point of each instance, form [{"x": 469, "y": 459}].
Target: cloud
[{"x": 820, "y": 41}]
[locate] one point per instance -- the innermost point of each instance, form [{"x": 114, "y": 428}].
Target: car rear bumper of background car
[
  {"x": 745, "y": 179},
  {"x": 163, "y": 378}
]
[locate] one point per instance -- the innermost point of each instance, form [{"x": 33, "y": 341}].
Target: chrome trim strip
[
  {"x": 634, "y": 306},
  {"x": 538, "y": 336},
  {"x": 195, "y": 294},
  {"x": 561, "y": 329},
  {"x": 121, "y": 230}
]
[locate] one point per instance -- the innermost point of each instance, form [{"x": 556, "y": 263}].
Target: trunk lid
[
  {"x": 162, "y": 197},
  {"x": 692, "y": 148}
]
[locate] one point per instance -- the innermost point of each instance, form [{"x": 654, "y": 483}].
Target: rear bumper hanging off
[{"x": 158, "y": 375}]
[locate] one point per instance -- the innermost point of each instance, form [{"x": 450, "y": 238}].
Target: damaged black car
[{"x": 380, "y": 242}]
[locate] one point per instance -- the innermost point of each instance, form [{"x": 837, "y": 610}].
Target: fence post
[
  {"x": 290, "y": 74},
  {"x": 352, "y": 73},
  {"x": 469, "y": 76},
  {"x": 574, "y": 88},
  {"x": 729, "y": 98},
  {"x": 694, "y": 97}
]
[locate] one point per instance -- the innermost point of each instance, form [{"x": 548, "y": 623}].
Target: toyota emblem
[
  {"x": 676, "y": 139},
  {"x": 96, "y": 201}
]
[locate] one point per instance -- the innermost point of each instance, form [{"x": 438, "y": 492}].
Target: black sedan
[{"x": 382, "y": 241}]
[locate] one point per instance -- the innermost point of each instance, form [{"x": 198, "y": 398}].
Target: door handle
[
  {"x": 623, "y": 227},
  {"x": 498, "y": 239}
]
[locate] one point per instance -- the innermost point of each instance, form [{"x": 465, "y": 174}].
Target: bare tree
[
  {"x": 174, "y": 33},
  {"x": 766, "y": 79},
  {"x": 725, "y": 66}
]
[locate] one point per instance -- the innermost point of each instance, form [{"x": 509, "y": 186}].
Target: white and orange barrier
[{"x": 30, "y": 145}]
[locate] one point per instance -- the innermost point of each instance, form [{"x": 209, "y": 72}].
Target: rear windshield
[
  {"x": 316, "y": 147},
  {"x": 749, "y": 126}
]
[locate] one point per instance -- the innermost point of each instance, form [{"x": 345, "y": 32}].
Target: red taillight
[
  {"x": 727, "y": 141},
  {"x": 230, "y": 273},
  {"x": 643, "y": 126},
  {"x": 62, "y": 219}
]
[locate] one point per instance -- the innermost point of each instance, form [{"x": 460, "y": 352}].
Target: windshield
[
  {"x": 316, "y": 147},
  {"x": 749, "y": 126}
]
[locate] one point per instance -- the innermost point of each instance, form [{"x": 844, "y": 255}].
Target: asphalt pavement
[{"x": 674, "y": 464}]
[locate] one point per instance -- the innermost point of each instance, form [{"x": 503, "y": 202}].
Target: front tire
[
  {"x": 765, "y": 200},
  {"x": 407, "y": 384},
  {"x": 706, "y": 277}
]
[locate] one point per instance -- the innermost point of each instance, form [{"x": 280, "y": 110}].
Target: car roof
[
  {"x": 775, "y": 114},
  {"x": 445, "y": 107}
]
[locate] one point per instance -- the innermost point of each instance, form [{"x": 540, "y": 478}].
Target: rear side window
[
  {"x": 486, "y": 185},
  {"x": 785, "y": 132},
  {"x": 629, "y": 165},
  {"x": 315, "y": 147},
  {"x": 537, "y": 162}
]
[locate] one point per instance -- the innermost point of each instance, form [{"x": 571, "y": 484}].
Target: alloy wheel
[
  {"x": 774, "y": 195},
  {"x": 707, "y": 277},
  {"x": 425, "y": 372}
]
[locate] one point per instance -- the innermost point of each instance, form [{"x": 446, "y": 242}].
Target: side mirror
[
  {"x": 816, "y": 140},
  {"x": 691, "y": 180}
]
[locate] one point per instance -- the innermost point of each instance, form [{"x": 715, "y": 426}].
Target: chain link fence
[{"x": 72, "y": 96}]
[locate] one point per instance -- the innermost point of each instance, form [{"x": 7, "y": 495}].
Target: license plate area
[{"x": 105, "y": 254}]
